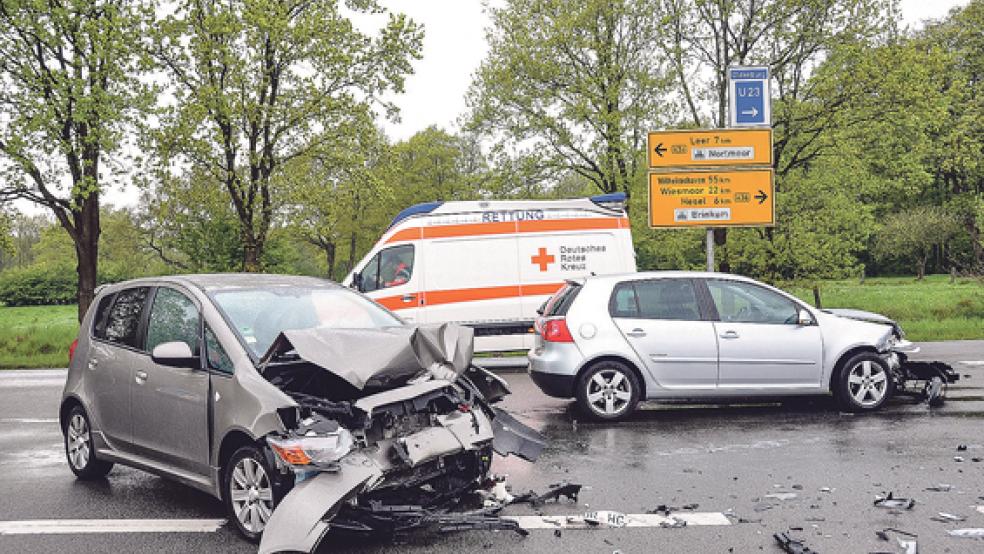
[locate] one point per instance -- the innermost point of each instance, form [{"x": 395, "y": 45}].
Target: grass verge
[
  {"x": 36, "y": 336},
  {"x": 928, "y": 310}
]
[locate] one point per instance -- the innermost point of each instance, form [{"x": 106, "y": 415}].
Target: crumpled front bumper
[{"x": 302, "y": 518}]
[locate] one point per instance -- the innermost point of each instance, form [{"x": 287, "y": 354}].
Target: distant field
[
  {"x": 931, "y": 309},
  {"x": 36, "y": 336}
]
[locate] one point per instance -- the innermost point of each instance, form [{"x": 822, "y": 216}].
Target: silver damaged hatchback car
[
  {"x": 297, "y": 402},
  {"x": 611, "y": 341}
]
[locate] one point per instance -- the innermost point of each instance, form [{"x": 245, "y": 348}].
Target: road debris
[
  {"x": 892, "y": 503},
  {"x": 944, "y": 517},
  {"x": 958, "y": 458},
  {"x": 782, "y": 495},
  {"x": 942, "y": 487},
  {"x": 791, "y": 545},
  {"x": 974, "y": 533},
  {"x": 909, "y": 547},
  {"x": 555, "y": 492}
]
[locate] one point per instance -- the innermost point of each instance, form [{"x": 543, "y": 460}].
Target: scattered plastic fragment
[
  {"x": 890, "y": 502},
  {"x": 826, "y": 489},
  {"x": 942, "y": 487},
  {"x": 944, "y": 517},
  {"x": 909, "y": 547},
  {"x": 961, "y": 448},
  {"x": 555, "y": 492},
  {"x": 673, "y": 523},
  {"x": 958, "y": 458},
  {"x": 791, "y": 545},
  {"x": 782, "y": 495},
  {"x": 974, "y": 533}
]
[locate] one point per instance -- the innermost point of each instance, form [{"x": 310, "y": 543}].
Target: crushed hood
[
  {"x": 359, "y": 356},
  {"x": 869, "y": 317}
]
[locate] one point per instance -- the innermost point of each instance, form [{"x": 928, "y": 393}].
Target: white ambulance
[{"x": 491, "y": 264}]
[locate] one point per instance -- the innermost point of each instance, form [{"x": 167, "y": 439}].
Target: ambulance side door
[{"x": 393, "y": 278}]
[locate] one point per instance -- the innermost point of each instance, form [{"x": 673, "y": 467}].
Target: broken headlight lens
[{"x": 317, "y": 450}]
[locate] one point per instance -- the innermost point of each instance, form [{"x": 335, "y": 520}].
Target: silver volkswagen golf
[
  {"x": 299, "y": 403},
  {"x": 611, "y": 341}
]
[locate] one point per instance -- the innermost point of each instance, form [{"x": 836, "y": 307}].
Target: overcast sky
[{"x": 454, "y": 44}]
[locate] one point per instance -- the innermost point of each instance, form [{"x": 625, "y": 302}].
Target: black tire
[
  {"x": 257, "y": 505},
  {"x": 79, "y": 451},
  {"x": 864, "y": 383},
  {"x": 611, "y": 380}
]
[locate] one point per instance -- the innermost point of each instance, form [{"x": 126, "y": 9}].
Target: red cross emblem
[{"x": 542, "y": 259}]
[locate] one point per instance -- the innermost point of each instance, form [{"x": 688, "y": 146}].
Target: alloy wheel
[
  {"x": 78, "y": 442},
  {"x": 609, "y": 392},
  {"x": 867, "y": 383},
  {"x": 251, "y": 495}
]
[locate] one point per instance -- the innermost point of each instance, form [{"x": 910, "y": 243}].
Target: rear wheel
[
  {"x": 78, "y": 447},
  {"x": 865, "y": 383},
  {"x": 608, "y": 391}
]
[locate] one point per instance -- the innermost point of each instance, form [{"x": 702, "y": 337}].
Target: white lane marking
[
  {"x": 72, "y": 526},
  {"x": 980, "y": 509},
  {"x": 28, "y": 420},
  {"x": 631, "y": 520},
  {"x": 973, "y": 363}
]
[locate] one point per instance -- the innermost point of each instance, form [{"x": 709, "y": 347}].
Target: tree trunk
[
  {"x": 329, "y": 248},
  {"x": 86, "y": 238},
  {"x": 252, "y": 254}
]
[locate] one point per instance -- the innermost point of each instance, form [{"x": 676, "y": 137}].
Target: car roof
[
  {"x": 667, "y": 275},
  {"x": 218, "y": 281}
]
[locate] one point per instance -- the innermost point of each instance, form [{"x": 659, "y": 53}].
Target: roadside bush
[{"x": 38, "y": 285}]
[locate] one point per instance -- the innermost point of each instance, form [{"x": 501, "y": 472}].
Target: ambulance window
[{"x": 390, "y": 268}]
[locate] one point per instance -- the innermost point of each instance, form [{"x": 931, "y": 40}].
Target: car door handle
[
  {"x": 407, "y": 298},
  {"x": 636, "y": 333},
  {"x": 141, "y": 377},
  {"x": 729, "y": 335}
]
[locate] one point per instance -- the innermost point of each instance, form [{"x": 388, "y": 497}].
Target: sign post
[{"x": 718, "y": 177}]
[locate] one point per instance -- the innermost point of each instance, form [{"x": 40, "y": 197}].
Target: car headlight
[{"x": 318, "y": 450}]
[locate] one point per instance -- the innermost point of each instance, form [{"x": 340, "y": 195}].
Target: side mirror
[
  {"x": 174, "y": 354},
  {"x": 357, "y": 281},
  {"x": 805, "y": 318}
]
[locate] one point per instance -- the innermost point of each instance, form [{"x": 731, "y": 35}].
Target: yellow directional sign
[
  {"x": 710, "y": 147},
  {"x": 712, "y": 198}
]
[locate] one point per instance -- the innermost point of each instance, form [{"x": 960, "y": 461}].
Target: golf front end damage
[{"x": 393, "y": 430}]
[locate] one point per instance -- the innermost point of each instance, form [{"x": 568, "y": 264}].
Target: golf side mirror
[{"x": 174, "y": 354}]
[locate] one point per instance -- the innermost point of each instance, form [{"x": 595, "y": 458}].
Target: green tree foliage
[
  {"x": 259, "y": 83},
  {"x": 914, "y": 234},
  {"x": 69, "y": 86},
  {"x": 572, "y": 86}
]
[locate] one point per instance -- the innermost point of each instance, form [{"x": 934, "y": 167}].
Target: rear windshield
[{"x": 560, "y": 302}]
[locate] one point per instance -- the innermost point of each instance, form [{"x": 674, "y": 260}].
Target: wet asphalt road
[{"x": 722, "y": 458}]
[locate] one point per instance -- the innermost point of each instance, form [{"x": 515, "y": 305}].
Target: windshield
[{"x": 259, "y": 315}]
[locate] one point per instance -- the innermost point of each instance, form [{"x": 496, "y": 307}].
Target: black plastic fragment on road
[
  {"x": 791, "y": 545},
  {"x": 555, "y": 492}
]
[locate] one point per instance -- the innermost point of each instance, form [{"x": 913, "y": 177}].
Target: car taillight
[
  {"x": 71, "y": 350},
  {"x": 555, "y": 330}
]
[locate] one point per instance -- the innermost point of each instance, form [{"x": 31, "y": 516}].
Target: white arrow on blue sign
[{"x": 750, "y": 97}]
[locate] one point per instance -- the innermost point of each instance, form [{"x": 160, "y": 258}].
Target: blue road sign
[{"x": 750, "y": 104}]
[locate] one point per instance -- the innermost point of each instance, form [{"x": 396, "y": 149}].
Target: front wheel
[
  {"x": 864, "y": 384},
  {"x": 79, "y": 449},
  {"x": 609, "y": 391},
  {"x": 250, "y": 491}
]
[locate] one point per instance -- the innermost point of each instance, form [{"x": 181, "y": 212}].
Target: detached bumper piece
[
  {"x": 936, "y": 376},
  {"x": 377, "y": 517}
]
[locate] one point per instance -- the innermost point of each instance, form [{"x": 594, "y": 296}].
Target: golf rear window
[{"x": 560, "y": 302}]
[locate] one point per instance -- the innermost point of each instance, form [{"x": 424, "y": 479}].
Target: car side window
[
  {"x": 389, "y": 268},
  {"x": 667, "y": 299},
  {"x": 738, "y": 302},
  {"x": 215, "y": 354},
  {"x": 173, "y": 317},
  {"x": 624, "y": 303},
  {"x": 123, "y": 323},
  {"x": 99, "y": 320}
]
